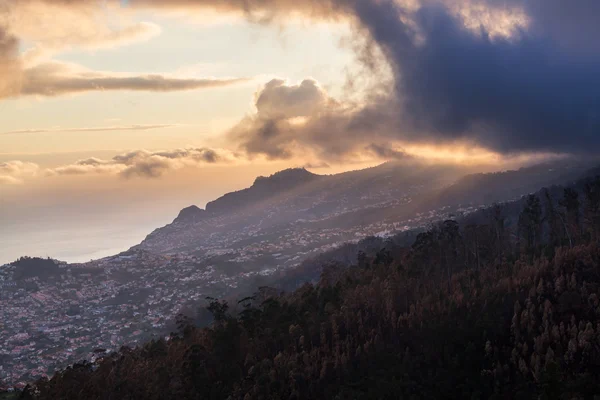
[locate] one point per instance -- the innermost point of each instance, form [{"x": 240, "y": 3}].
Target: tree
[
  {"x": 569, "y": 214},
  {"x": 553, "y": 220},
  {"x": 496, "y": 224},
  {"x": 449, "y": 235},
  {"x": 592, "y": 206},
  {"x": 475, "y": 239},
  {"x": 530, "y": 224},
  {"x": 217, "y": 308}
]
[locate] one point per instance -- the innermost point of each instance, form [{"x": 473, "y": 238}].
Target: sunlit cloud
[
  {"x": 131, "y": 34},
  {"x": 58, "y": 78},
  {"x": 92, "y": 129},
  {"x": 146, "y": 164},
  {"x": 502, "y": 76},
  {"x": 55, "y": 26},
  {"x": 15, "y": 172}
]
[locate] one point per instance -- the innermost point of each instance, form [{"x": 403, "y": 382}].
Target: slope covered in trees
[
  {"x": 27, "y": 267},
  {"x": 484, "y": 307}
]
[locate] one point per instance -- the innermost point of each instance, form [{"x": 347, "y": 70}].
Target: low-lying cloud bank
[
  {"x": 133, "y": 164},
  {"x": 15, "y": 172},
  {"x": 145, "y": 164}
]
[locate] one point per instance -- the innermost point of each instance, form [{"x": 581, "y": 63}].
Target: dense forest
[
  {"x": 27, "y": 267},
  {"x": 486, "y": 307}
]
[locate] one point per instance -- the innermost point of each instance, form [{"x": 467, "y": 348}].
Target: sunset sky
[{"x": 119, "y": 113}]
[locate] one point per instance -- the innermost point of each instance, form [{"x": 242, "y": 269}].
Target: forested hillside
[{"x": 482, "y": 307}]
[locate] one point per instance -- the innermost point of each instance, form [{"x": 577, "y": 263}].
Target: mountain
[
  {"x": 190, "y": 214},
  {"x": 282, "y": 237},
  {"x": 486, "y": 188},
  {"x": 262, "y": 189},
  {"x": 289, "y": 207},
  {"x": 486, "y": 310},
  {"x": 551, "y": 199},
  {"x": 294, "y": 214}
]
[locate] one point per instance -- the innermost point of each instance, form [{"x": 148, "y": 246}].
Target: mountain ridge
[
  {"x": 375, "y": 200},
  {"x": 503, "y": 307}
]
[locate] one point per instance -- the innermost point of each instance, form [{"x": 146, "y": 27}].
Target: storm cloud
[
  {"x": 464, "y": 71},
  {"x": 534, "y": 88},
  {"x": 522, "y": 93}
]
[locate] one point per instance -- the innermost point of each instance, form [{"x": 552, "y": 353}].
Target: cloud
[
  {"x": 521, "y": 91},
  {"x": 283, "y": 112},
  {"x": 278, "y": 100},
  {"x": 10, "y": 64},
  {"x": 54, "y": 26},
  {"x": 508, "y": 94},
  {"x": 58, "y": 78},
  {"x": 92, "y": 129},
  {"x": 317, "y": 165},
  {"x": 145, "y": 164},
  {"x": 50, "y": 27},
  {"x": 573, "y": 25},
  {"x": 93, "y": 40},
  {"x": 387, "y": 152},
  {"x": 9, "y": 180},
  {"x": 508, "y": 75},
  {"x": 14, "y": 172},
  {"x": 302, "y": 120}
]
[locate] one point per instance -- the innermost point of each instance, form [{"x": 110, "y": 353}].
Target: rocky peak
[
  {"x": 190, "y": 214},
  {"x": 287, "y": 178}
]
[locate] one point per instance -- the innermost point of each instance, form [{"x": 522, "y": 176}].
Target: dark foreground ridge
[{"x": 489, "y": 307}]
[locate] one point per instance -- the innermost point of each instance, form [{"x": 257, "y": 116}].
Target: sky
[{"x": 116, "y": 114}]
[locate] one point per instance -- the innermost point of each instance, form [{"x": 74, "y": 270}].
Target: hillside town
[
  {"x": 54, "y": 313},
  {"x": 51, "y": 322}
]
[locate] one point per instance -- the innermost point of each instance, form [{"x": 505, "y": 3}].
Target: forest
[{"x": 487, "y": 307}]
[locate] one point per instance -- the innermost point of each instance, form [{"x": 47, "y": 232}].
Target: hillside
[
  {"x": 296, "y": 204},
  {"x": 262, "y": 189},
  {"x": 468, "y": 310},
  {"x": 295, "y": 214},
  {"x": 486, "y": 188},
  {"x": 283, "y": 240}
]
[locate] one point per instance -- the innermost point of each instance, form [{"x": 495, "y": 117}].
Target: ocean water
[{"x": 70, "y": 243}]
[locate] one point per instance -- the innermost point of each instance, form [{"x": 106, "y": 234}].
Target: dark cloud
[
  {"x": 151, "y": 167},
  {"x": 387, "y": 152},
  {"x": 199, "y": 154},
  {"x": 509, "y": 94},
  {"x": 572, "y": 24},
  {"x": 535, "y": 90},
  {"x": 317, "y": 165},
  {"x": 521, "y": 93}
]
